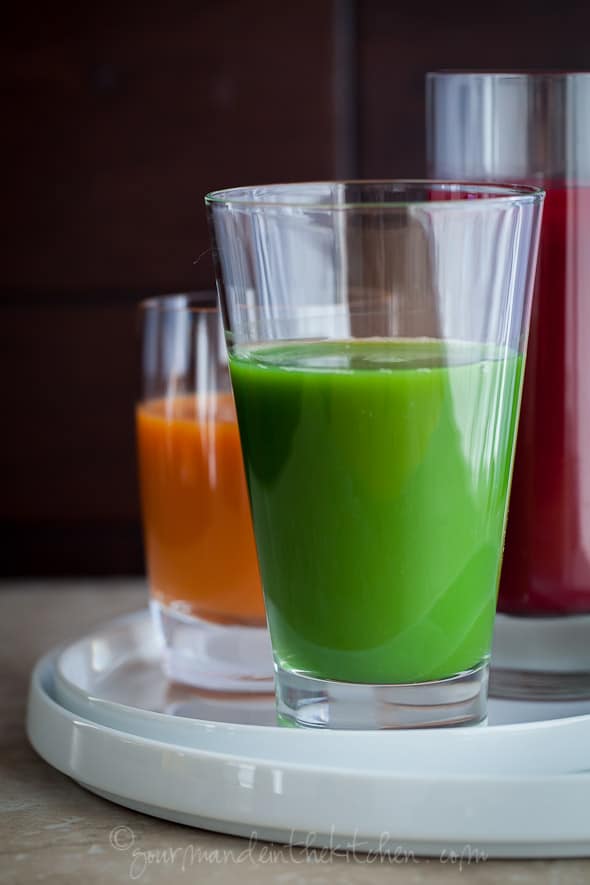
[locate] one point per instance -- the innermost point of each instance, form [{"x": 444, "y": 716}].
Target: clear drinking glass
[
  {"x": 376, "y": 333},
  {"x": 535, "y": 128},
  {"x": 205, "y": 589}
]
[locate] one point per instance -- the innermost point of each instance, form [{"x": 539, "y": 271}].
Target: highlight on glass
[{"x": 376, "y": 335}]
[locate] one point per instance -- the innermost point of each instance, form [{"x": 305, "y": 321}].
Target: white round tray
[{"x": 101, "y": 712}]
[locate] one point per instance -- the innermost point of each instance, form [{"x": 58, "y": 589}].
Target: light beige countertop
[{"x": 53, "y": 831}]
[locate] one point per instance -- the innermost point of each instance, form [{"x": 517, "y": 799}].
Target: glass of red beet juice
[{"x": 534, "y": 127}]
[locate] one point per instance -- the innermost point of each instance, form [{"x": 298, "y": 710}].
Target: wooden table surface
[{"x": 53, "y": 831}]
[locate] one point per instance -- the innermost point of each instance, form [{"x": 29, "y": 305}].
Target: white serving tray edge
[{"x": 507, "y": 815}]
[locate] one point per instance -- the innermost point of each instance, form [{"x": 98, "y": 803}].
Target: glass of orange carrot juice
[{"x": 205, "y": 591}]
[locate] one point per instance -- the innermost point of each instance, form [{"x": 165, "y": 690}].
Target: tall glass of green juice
[{"x": 377, "y": 337}]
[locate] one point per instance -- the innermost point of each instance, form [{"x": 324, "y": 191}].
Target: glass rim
[
  {"x": 511, "y": 73},
  {"x": 193, "y": 301},
  {"x": 499, "y": 192}
]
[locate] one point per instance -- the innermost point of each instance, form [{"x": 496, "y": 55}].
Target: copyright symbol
[{"x": 122, "y": 838}]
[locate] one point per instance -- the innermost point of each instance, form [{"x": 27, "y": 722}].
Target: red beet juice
[{"x": 546, "y": 567}]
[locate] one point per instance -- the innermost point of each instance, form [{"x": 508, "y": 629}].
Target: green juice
[{"x": 378, "y": 474}]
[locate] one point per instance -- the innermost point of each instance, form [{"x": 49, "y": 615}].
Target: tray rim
[
  {"x": 573, "y": 843},
  {"x": 143, "y": 615}
]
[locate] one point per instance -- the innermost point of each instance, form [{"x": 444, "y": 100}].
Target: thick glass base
[
  {"x": 217, "y": 657},
  {"x": 541, "y": 658},
  {"x": 525, "y": 685},
  {"x": 319, "y": 703}
]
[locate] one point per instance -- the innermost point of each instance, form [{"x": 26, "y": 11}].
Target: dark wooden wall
[
  {"x": 399, "y": 42},
  {"x": 116, "y": 120}
]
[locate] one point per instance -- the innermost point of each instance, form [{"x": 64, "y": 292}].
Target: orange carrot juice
[{"x": 198, "y": 533}]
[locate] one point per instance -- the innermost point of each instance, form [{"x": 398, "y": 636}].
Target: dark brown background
[{"x": 116, "y": 120}]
